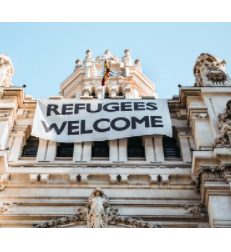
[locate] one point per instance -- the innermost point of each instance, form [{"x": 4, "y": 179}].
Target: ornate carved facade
[{"x": 143, "y": 182}]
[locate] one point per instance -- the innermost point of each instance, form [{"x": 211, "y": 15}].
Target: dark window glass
[
  {"x": 65, "y": 150},
  {"x": 31, "y": 147},
  {"x": 171, "y": 150},
  {"x": 135, "y": 148},
  {"x": 120, "y": 94},
  {"x": 100, "y": 149}
]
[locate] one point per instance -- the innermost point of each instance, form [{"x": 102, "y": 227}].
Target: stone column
[
  {"x": 10, "y": 142},
  {"x": 185, "y": 149},
  {"x": 192, "y": 143},
  {"x": 87, "y": 72},
  {"x": 113, "y": 147},
  {"x": 42, "y": 149},
  {"x": 4, "y": 133},
  {"x": 126, "y": 72},
  {"x": 51, "y": 151},
  {"x": 100, "y": 91},
  {"x": 86, "y": 92},
  {"x": 149, "y": 148},
  {"x": 159, "y": 149},
  {"x": 87, "y": 149},
  {"x": 113, "y": 91},
  {"x": 17, "y": 145},
  {"x": 219, "y": 210},
  {"x": 123, "y": 154},
  {"x": 77, "y": 155},
  {"x": 127, "y": 92}
]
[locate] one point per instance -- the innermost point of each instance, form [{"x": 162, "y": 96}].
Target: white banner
[{"x": 72, "y": 120}]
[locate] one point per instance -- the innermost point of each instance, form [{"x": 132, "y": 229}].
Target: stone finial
[
  {"x": 127, "y": 52},
  {"x": 6, "y": 71},
  {"x": 127, "y": 58},
  {"x": 88, "y": 59},
  {"x": 138, "y": 64},
  {"x": 107, "y": 52},
  {"x": 78, "y": 64},
  {"x": 109, "y": 56},
  {"x": 99, "y": 59},
  {"x": 88, "y": 53}
]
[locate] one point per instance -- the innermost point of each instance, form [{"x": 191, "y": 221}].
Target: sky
[{"x": 44, "y": 54}]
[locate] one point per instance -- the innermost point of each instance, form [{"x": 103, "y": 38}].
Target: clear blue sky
[{"x": 44, "y": 54}]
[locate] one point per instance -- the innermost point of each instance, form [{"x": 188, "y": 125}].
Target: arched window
[
  {"x": 100, "y": 149},
  {"x": 135, "y": 148},
  {"x": 65, "y": 150},
  {"x": 31, "y": 147},
  {"x": 171, "y": 150}
]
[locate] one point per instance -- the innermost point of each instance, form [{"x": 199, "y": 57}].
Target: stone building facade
[{"x": 148, "y": 181}]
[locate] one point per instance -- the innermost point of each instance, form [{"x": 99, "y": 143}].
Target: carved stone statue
[
  {"x": 138, "y": 64},
  {"x": 6, "y": 71},
  {"x": 224, "y": 137},
  {"x": 127, "y": 58},
  {"x": 99, "y": 59},
  {"x": 78, "y": 64},
  {"x": 107, "y": 56},
  {"x": 210, "y": 71},
  {"x": 88, "y": 61},
  {"x": 97, "y": 217}
]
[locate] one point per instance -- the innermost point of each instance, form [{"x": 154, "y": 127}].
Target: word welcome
[{"x": 79, "y": 127}]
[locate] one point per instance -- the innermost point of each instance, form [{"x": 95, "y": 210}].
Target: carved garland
[
  {"x": 80, "y": 218},
  {"x": 97, "y": 214}
]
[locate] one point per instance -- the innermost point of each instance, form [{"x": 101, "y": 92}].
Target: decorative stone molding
[
  {"x": 87, "y": 91},
  {"x": 1, "y": 184},
  {"x": 196, "y": 210},
  {"x": 154, "y": 178},
  {"x": 165, "y": 178},
  {"x": 6, "y": 71},
  {"x": 210, "y": 71},
  {"x": 97, "y": 214},
  {"x": 224, "y": 137},
  {"x": 5, "y": 206},
  {"x": 211, "y": 173},
  {"x": 201, "y": 116},
  {"x": 117, "y": 178},
  {"x": 33, "y": 178},
  {"x": 4, "y": 115},
  {"x": 44, "y": 178}
]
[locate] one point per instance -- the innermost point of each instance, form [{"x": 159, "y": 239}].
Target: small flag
[{"x": 106, "y": 72}]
